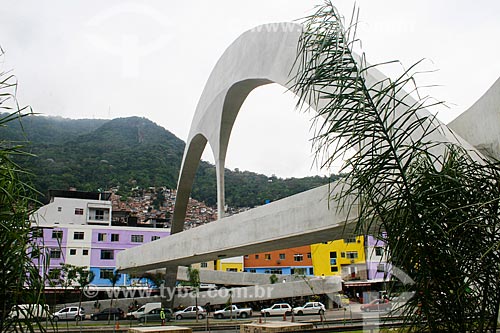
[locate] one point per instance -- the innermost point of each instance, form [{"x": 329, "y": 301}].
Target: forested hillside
[{"x": 92, "y": 154}]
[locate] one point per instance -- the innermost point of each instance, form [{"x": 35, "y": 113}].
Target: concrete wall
[
  {"x": 480, "y": 124},
  {"x": 308, "y": 287}
]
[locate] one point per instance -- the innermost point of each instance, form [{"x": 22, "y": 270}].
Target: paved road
[{"x": 348, "y": 314}]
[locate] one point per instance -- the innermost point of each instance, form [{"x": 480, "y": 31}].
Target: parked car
[
  {"x": 29, "y": 311},
  {"x": 236, "y": 312},
  {"x": 377, "y": 305},
  {"x": 143, "y": 309},
  {"x": 190, "y": 312},
  {"x": 154, "y": 315},
  {"x": 113, "y": 313},
  {"x": 278, "y": 309},
  {"x": 309, "y": 308},
  {"x": 69, "y": 313}
]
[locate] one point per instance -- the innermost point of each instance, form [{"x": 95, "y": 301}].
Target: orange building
[{"x": 295, "y": 260}]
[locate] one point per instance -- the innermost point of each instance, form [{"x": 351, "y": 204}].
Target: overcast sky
[{"x": 109, "y": 59}]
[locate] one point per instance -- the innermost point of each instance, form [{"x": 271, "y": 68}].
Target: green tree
[
  {"x": 193, "y": 275},
  {"x": 437, "y": 202},
  {"x": 114, "y": 280},
  {"x": 85, "y": 277},
  {"x": 67, "y": 280},
  {"x": 20, "y": 281}
]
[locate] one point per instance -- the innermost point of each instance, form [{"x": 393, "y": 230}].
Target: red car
[{"x": 377, "y": 305}]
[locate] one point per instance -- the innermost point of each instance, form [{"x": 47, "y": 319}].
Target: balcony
[{"x": 99, "y": 215}]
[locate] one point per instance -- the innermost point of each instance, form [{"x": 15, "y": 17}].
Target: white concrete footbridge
[{"x": 261, "y": 56}]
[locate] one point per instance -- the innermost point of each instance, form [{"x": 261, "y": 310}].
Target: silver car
[
  {"x": 309, "y": 308},
  {"x": 278, "y": 309},
  {"x": 69, "y": 313},
  {"x": 190, "y": 312}
]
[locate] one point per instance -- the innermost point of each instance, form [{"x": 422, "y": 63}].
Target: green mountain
[{"x": 90, "y": 154}]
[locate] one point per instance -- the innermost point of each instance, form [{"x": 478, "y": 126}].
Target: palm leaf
[{"x": 436, "y": 202}]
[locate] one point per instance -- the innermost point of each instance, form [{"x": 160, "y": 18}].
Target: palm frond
[{"x": 408, "y": 177}]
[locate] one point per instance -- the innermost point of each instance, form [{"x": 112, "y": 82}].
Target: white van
[
  {"x": 29, "y": 311},
  {"x": 143, "y": 309}
]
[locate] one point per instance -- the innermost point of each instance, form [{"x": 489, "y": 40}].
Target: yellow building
[
  {"x": 227, "y": 265},
  {"x": 344, "y": 257},
  {"x": 234, "y": 264}
]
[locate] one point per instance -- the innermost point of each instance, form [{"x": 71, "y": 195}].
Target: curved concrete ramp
[
  {"x": 230, "y": 278},
  {"x": 302, "y": 219},
  {"x": 307, "y": 287}
]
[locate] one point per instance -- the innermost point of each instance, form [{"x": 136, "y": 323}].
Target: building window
[
  {"x": 203, "y": 265},
  {"x": 282, "y": 256},
  {"x": 231, "y": 269},
  {"x": 309, "y": 255},
  {"x": 252, "y": 270},
  {"x": 333, "y": 258},
  {"x": 311, "y": 270},
  {"x": 72, "y": 252},
  {"x": 246, "y": 256},
  {"x": 350, "y": 240},
  {"x": 57, "y": 234},
  {"x": 59, "y": 209},
  {"x": 107, "y": 255},
  {"x": 78, "y": 211},
  {"x": 106, "y": 273},
  {"x": 352, "y": 254},
  {"x": 380, "y": 268},
  {"x": 342, "y": 254},
  {"x": 99, "y": 214},
  {"x": 85, "y": 252},
  {"x": 115, "y": 237},
  {"x": 298, "y": 257},
  {"x": 101, "y": 237},
  {"x": 55, "y": 254},
  {"x": 274, "y": 271},
  {"x": 256, "y": 256},
  {"x": 78, "y": 235},
  {"x": 137, "y": 238},
  {"x": 334, "y": 269},
  {"x": 379, "y": 251},
  {"x": 153, "y": 238},
  {"x": 267, "y": 256}
]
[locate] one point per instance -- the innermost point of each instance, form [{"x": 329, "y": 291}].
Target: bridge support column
[
  {"x": 167, "y": 291},
  {"x": 219, "y": 165}
]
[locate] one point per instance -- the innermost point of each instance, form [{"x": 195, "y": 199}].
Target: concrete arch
[
  {"x": 265, "y": 54},
  {"x": 480, "y": 124},
  {"x": 192, "y": 156},
  {"x": 260, "y": 56}
]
